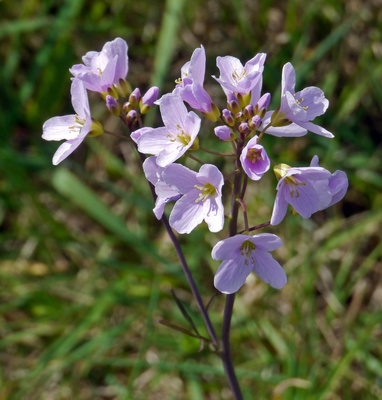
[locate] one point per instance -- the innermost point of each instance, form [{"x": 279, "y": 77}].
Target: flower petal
[
  {"x": 66, "y": 149},
  {"x": 231, "y": 275},
  {"x": 180, "y": 177},
  {"x": 60, "y": 128},
  {"x": 268, "y": 269},
  {"x": 229, "y": 248},
  {"x": 279, "y": 208},
  {"x": 187, "y": 214}
]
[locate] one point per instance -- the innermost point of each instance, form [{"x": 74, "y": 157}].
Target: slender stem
[
  {"x": 184, "y": 265},
  {"x": 226, "y": 352},
  {"x": 191, "y": 282},
  {"x": 241, "y": 202},
  {"x": 263, "y": 131},
  {"x": 194, "y": 158},
  {"x": 230, "y": 298},
  {"x": 117, "y": 135},
  {"x": 253, "y": 228},
  {"x": 217, "y": 153}
]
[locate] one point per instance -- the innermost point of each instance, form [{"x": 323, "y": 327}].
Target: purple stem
[{"x": 230, "y": 298}]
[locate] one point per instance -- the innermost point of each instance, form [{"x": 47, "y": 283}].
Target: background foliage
[{"x": 86, "y": 270}]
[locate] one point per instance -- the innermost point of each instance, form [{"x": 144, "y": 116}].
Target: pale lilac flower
[
  {"x": 72, "y": 128},
  {"x": 190, "y": 86},
  {"x": 101, "y": 70},
  {"x": 164, "y": 192},
  {"x": 201, "y": 198},
  {"x": 298, "y": 107},
  {"x": 170, "y": 142},
  {"x": 236, "y": 78},
  {"x": 242, "y": 254},
  {"x": 305, "y": 189},
  {"x": 254, "y": 160},
  {"x": 338, "y": 183}
]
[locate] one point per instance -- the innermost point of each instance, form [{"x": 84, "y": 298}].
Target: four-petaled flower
[
  {"x": 201, "y": 198},
  {"x": 102, "y": 70},
  {"x": 306, "y": 189},
  {"x": 190, "y": 85},
  {"x": 242, "y": 254},
  {"x": 298, "y": 107},
  {"x": 254, "y": 160},
  {"x": 170, "y": 142},
  {"x": 236, "y": 78},
  {"x": 72, "y": 128}
]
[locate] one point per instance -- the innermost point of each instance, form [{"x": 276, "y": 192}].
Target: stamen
[
  {"x": 254, "y": 155},
  {"x": 238, "y": 76},
  {"x": 178, "y": 81},
  {"x": 246, "y": 250},
  {"x": 207, "y": 191}
]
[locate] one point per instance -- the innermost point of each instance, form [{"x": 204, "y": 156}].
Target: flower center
[
  {"x": 181, "y": 137},
  {"x": 207, "y": 190},
  {"x": 254, "y": 155},
  {"x": 293, "y": 182},
  {"x": 299, "y": 101},
  {"x": 238, "y": 76},
  {"x": 78, "y": 124},
  {"x": 246, "y": 250}
]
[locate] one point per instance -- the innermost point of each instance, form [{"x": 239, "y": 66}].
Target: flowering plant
[{"x": 198, "y": 195}]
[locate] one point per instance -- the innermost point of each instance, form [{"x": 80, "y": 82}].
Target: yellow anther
[
  {"x": 178, "y": 81},
  {"x": 254, "y": 155},
  {"x": 207, "y": 190}
]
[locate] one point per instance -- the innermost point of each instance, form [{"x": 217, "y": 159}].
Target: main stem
[{"x": 230, "y": 298}]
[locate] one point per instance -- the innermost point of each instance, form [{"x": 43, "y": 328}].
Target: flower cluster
[{"x": 242, "y": 124}]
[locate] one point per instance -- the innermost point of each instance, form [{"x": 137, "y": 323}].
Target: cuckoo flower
[
  {"x": 298, "y": 107},
  {"x": 254, "y": 160},
  {"x": 170, "y": 142},
  {"x": 190, "y": 86},
  {"x": 106, "y": 70},
  {"x": 236, "y": 78},
  {"x": 201, "y": 198},
  {"x": 164, "y": 192},
  {"x": 72, "y": 128},
  {"x": 305, "y": 189},
  {"x": 242, "y": 254}
]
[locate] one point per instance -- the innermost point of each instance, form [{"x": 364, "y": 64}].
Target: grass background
[{"x": 86, "y": 271}]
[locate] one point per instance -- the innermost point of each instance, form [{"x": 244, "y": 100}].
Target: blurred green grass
[{"x": 86, "y": 270}]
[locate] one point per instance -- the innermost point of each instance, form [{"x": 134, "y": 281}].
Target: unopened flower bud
[
  {"x": 244, "y": 128},
  {"x": 127, "y": 107},
  {"x": 228, "y": 117},
  {"x": 131, "y": 116},
  {"x": 135, "y": 97},
  {"x": 264, "y": 101},
  {"x": 224, "y": 133},
  {"x": 113, "y": 105},
  {"x": 233, "y": 103},
  {"x": 147, "y": 101},
  {"x": 239, "y": 116},
  {"x": 254, "y": 122},
  {"x": 249, "y": 111}
]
